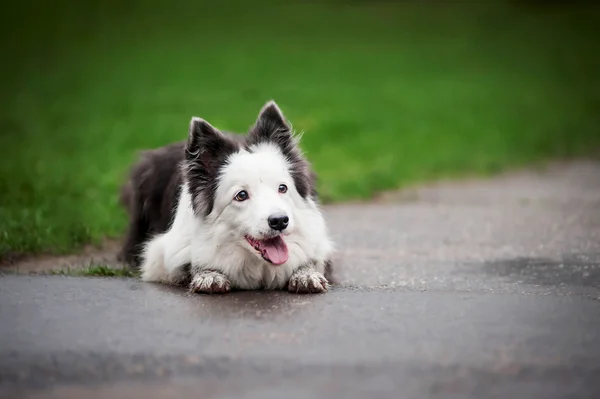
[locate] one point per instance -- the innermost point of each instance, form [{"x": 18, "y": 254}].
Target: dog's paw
[
  {"x": 210, "y": 283},
  {"x": 308, "y": 281}
]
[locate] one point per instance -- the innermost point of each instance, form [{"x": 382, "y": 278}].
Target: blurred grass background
[{"x": 388, "y": 94}]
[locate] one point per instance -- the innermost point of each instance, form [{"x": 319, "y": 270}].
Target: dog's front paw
[
  {"x": 308, "y": 281},
  {"x": 210, "y": 283}
]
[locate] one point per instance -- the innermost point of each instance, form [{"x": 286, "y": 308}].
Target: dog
[{"x": 224, "y": 211}]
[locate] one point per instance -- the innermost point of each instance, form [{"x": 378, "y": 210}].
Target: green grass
[
  {"x": 388, "y": 94},
  {"x": 97, "y": 271}
]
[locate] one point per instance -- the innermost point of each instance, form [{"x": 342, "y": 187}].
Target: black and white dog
[{"x": 225, "y": 211}]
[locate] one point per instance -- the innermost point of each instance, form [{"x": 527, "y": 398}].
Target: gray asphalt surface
[{"x": 474, "y": 289}]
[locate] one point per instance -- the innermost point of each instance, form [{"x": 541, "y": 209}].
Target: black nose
[{"x": 278, "y": 221}]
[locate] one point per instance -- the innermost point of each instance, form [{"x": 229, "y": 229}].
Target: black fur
[
  {"x": 150, "y": 197},
  {"x": 152, "y": 191},
  {"x": 205, "y": 155}
]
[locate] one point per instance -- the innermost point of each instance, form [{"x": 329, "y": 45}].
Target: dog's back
[{"x": 150, "y": 196}]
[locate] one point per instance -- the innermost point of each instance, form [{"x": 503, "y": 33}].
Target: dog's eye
[
  {"x": 241, "y": 196},
  {"x": 282, "y": 188}
]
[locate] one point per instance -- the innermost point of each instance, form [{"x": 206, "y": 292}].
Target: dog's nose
[{"x": 278, "y": 221}]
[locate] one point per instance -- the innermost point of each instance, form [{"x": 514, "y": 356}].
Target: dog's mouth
[{"x": 274, "y": 250}]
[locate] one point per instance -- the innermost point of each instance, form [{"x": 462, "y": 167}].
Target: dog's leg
[
  {"x": 209, "y": 282},
  {"x": 306, "y": 280}
]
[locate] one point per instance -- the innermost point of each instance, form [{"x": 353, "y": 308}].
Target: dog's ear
[
  {"x": 271, "y": 116},
  {"x": 206, "y": 151},
  {"x": 204, "y": 141},
  {"x": 271, "y": 128}
]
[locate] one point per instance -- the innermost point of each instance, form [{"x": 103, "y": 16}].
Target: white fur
[{"x": 217, "y": 242}]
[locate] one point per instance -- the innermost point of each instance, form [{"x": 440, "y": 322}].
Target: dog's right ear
[
  {"x": 206, "y": 151},
  {"x": 202, "y": 136},
  {"x": 206, "y": 143}
]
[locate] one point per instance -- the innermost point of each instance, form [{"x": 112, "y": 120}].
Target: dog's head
[{"x": 249, "y": 188}]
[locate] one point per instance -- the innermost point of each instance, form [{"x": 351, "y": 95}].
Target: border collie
[{"x": 224, "y": 211}]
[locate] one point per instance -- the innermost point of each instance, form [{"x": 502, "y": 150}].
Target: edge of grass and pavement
[{"x": 389, "y": 96}]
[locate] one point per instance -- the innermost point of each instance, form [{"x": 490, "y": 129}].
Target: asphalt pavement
[{"x": 476, "y": 289}]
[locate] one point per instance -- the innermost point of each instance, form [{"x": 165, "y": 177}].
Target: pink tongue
[{"x": 275, "y": 250}]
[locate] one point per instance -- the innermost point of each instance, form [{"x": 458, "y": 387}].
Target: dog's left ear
[
  {"x": 271, "y": 127},
  {"x": 271, "y": 114}
]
